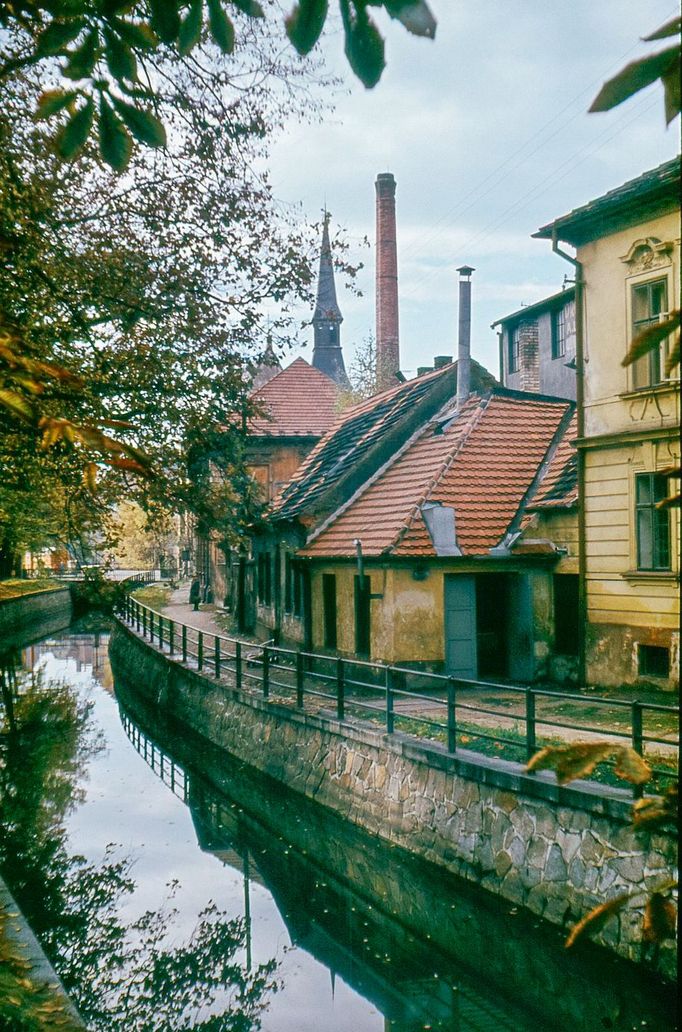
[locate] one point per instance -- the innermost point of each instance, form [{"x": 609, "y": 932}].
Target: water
[{"x": 321, "y": 928}]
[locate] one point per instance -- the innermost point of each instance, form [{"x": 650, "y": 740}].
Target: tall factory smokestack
[
  {"x": 464, "y": 342},
  {"x": 387, "y": 343}
]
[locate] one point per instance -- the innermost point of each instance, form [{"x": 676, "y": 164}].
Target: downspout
[{"x": 580, "y": 413}]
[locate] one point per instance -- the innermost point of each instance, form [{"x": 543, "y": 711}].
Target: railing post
[
  {"x": 637, "y": 739},
  {"x": 299, "y": 679},
  {"x": 238, "y": 666},
  {"x": 160, "y": 631},
  {"x": 531, "y": 747},
  {"x": 390, "y": 719},
  {"x": 200, "y": 650},
  {"x": 144, "y": 623},
  {"x": 340, "y": 690},
  {"x": 137, "y": 614},
  {"x": 216, "y": 656},
  {"x": 171, "y": 636},
  {"x": 452, "y": 716},
  {"x": 266, "y": 671},
  {"x": 184, "y": 644}
]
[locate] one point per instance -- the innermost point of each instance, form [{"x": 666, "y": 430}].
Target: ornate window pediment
[{"x": 648, "y": 253}]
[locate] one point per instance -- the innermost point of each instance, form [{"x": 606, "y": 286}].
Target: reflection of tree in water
[{"x": 119, "y": 976}]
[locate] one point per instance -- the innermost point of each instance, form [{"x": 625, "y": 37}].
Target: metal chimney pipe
[
  {"x": 387, "y": 336},
  {"x": 464, "y": 341}
]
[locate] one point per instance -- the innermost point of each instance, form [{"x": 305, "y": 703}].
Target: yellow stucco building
[{"x": 627, "y": 262}]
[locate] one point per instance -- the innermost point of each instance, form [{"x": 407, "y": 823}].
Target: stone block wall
[
  {"x": 42, "y": 611},
  {"x": 556, "y": 851}
]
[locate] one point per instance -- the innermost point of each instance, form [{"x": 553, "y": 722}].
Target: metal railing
[{"x": 512, "y": 721}]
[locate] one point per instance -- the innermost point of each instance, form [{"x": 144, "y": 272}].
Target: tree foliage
[
  {"x": 107, "y": 54},
  {"x": 663, "y": 66},
  {"x": 130, "y": 305},
  {"x": 120, "y": 976}
]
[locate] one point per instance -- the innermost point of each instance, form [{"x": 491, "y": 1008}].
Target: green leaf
[
  {"x": 190, "y": 29},
  {"x": 120, "y": 58},
  {"x": 53, "y": 101},
  {"x": 74, "y": 134},
  {"x": 672, "y": 92},
  {"x": 415, "y": 15},
  {"x": 144, "y": 125},
  {"x": 82, "y": 61},
  {"x": 635, "y": 77},
  {"x": 115, "y": 143},
  {"x": 250, "y": 7},
  {"x": 671, "y": 28},
  {"x": 137, "y": 34},
  {"x": 365, "y": 49},
  {"x": 165, "y": 19},
  {"x": 305, "y": 23},
  {"x": 221, "y": 27},
  {"x": 55, "y": 37}
]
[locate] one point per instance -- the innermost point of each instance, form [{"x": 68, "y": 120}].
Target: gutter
[{"x": 580, "y": 404}]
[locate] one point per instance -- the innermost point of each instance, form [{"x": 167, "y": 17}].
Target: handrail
[{"x": 250, "y": 667}]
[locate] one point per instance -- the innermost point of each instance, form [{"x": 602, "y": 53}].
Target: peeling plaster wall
[{"x": 556, "y": 851}]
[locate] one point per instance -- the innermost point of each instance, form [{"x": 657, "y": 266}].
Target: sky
[{"x": 487, "y": 134}]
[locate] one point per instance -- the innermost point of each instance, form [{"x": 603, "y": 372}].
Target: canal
[{"x": 174, "y": 888}]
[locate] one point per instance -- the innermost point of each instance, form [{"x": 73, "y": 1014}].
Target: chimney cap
[
  {"x": 385, "y": 176},
  {"x": 465, "y": 270}
]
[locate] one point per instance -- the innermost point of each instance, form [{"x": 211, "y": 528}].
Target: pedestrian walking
[{"x": 195, "y": 593}]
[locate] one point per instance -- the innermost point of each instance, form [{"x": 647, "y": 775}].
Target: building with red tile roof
[
  {"x": 456, "y": 462},
  {"x": 298, "y": 401}
]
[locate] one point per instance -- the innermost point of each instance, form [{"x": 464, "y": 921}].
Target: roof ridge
[{"x": 444, "y": 467}]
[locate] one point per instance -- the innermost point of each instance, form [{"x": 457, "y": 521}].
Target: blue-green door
[{"x": 460, "y": 626}]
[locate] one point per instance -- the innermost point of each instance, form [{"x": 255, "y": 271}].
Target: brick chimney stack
[{"x": 387, "y": 338}]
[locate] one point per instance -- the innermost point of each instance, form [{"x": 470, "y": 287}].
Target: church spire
[{"x": 327, "y": 318}]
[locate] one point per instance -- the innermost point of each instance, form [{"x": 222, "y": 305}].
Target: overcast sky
[{"x": 487, "y": 134}]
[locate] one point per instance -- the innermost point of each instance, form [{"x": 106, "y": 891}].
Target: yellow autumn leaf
[
  {"x": 660, "y": 919},
  {"x": 571, "y": 761},
  {"x": 595, "y": 920},
  {"x": 630, "y": 766}
]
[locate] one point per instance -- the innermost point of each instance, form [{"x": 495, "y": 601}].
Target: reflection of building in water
[
  {"x": 405, "y": 978},
  {"x": 89, "y": 651}
]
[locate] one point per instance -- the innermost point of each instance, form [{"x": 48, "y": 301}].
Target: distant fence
[{"x": 505, "y": 720}]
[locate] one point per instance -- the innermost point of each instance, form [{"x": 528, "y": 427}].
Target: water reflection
[
  {"x": 121, "y": 974},
  {"x": 367, "y": 938},
  {"x": 428, "y": 951}
]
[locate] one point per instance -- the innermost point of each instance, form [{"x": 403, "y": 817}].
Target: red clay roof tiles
[
  {"x": 483, "y": 463},
  {"x": 299, "y": 401}
]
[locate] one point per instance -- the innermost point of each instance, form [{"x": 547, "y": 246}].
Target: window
[
  {"x": 566, "y": 622},
  {"x": 653, "y": 661},
  {"x": 264, "y": 579},
  {"x": 288, "y": 584},
  {"x": 649, "y": 306},
  {"x": 329, "y": 608},
  {"x": 652, "y": 524},
  {"x": 514, "y": 349},
  {"x": 559, "y": 332},
  {"x": 333, "y": 338},
  {"x": 363, "y": 593}
]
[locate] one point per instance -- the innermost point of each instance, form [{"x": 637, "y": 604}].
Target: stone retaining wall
[
  {"x": 557, "y": 851},
  {"x": 25, "y": 614}
]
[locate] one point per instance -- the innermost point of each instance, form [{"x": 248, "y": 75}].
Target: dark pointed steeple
[{"x": 327, "y": 318}]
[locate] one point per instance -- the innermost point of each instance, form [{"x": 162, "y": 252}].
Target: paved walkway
[
  {"x": 507, "y": 706},
  {"x": 207, "y": 618}
]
